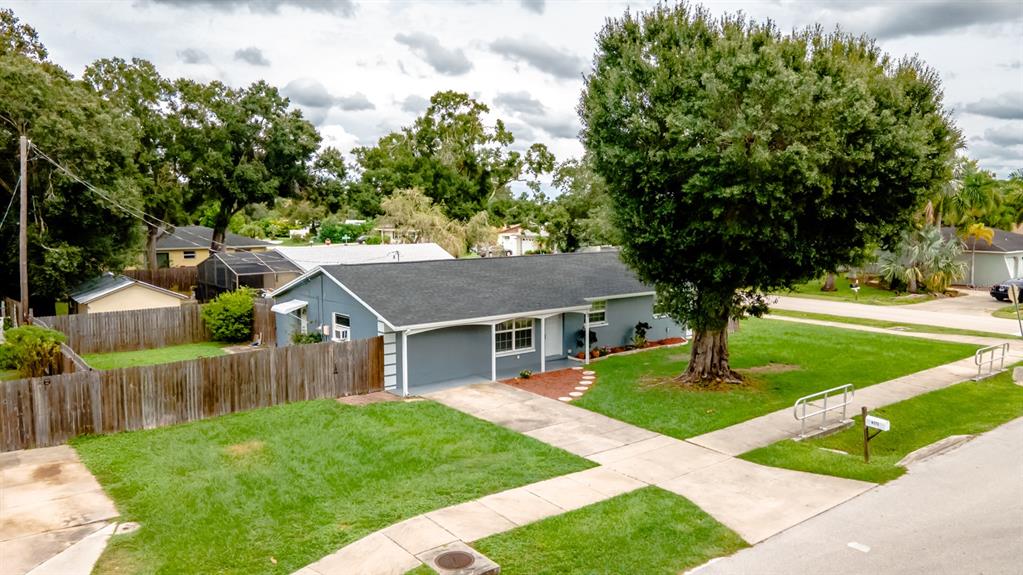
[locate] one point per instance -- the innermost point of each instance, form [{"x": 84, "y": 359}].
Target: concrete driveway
[
  {"x": 978, "y": 303},
  {"x": 48, "y": 502},
  {"x": 961, "y": 512}
]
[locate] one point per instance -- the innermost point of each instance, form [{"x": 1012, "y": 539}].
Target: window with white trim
[
  {"x": 303, "y": 319},
  {"x": 188, "y": 254},
  {"x": 342, "y": 328},
  {"x": 598, "y": 313},
  {"x": 514, "y": 336}
]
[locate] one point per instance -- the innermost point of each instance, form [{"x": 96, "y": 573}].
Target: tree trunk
[
  {"x": 220, "y": 229},
  {"x": 153, "y": 234},
  {"x": 708, "y": 360},
  {"x": 829, "y": 283},
  {"x": 911, "y": 284}
]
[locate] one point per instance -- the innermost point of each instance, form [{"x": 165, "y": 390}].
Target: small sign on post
[
  {"x": 878, "y": 423},
  {"x": 871, "y": 422}
]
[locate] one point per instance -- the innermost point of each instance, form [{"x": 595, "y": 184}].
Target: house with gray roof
[
  {"x": 457, "y": 321},
  {"x": 189, "y": 246},
  {"x": 115, "y": 292},
  {"x": 989, "y": 263}
]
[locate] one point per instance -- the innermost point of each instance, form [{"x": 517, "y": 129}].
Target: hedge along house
[{"x": 452, "y": 322}]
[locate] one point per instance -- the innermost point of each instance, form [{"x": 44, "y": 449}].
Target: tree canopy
[
  {"x": 236, "y": 147},
  {"x": 452, "y": 155},
  {"x": 740, "y": 160},
  {"x": 73, "y": 232}
]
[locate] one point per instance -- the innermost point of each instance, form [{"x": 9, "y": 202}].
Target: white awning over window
[{"x": 289, "y": 306}]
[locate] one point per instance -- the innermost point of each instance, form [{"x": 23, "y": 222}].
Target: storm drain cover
[{"x": 454, "y": 560}]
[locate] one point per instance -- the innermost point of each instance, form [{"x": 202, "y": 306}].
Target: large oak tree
[
  {"x": 741, "y": 160},
  {"x": 236, "y": 147}
]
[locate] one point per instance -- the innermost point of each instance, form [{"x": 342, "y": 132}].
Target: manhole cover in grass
[{"x": 454, "y": 560}]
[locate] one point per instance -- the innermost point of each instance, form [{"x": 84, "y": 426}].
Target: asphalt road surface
[{"x": 956, "y": 513}]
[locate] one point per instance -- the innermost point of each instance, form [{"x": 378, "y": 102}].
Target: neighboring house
[
  {"x": 517, "y": 241},
  {"x": 230, "y": 271},
  {"x": 991, "y": 263},
  {"x": 391, "y": 235},
  {"x": 110, "y": 292},
  {"x": 465, "y": 320},
  {"x": 309, "y": 257},
  {"x": 190, "y": 245}
]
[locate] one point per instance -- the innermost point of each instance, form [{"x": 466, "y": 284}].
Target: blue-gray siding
[
  {"x": 325, "y": 298},
  {"x": 622, "y": 316},
  {"x": 464, "y": 351}
]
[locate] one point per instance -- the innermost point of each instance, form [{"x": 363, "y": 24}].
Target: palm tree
[
  {"x": 976, "y": 232},
  {"x": 924, "y": 257}
]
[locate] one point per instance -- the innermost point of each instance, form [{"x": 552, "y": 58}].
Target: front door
[{"x": 552, "y": 329}]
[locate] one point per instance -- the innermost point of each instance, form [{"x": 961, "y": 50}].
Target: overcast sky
[{"x": 360, "y": 69}]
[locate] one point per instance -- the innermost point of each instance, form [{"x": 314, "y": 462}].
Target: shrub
[
  {"x": 525, "y": 374},
  {"x": 639, "y": 337},
  {"x": 32, "y": 350},
  {"x": 580, "y": 338},
  {"x": 301, "y": 338},
  {"x": 229, "y": 316}
]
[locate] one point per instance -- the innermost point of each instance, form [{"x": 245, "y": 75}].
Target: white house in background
[
  {"x": 517, "y": 240},
  {"x": 310, "y": 257}
]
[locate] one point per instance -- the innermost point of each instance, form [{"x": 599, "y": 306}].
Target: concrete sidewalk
[
  {"x": 755, "y": 501},
  {"x": 767, "y": 429},
  {"x": 915, "y": 313},
  {"x": 48, "y": 502},
  {"x": 960, "y": 512}
]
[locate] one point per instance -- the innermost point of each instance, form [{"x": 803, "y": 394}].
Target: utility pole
[{"x": 23, "y": 231}]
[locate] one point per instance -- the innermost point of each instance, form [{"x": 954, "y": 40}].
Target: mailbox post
[{"x": 871, "y": 422}]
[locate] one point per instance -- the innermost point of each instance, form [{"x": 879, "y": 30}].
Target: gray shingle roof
[
  {"x": 108, "y": 282},
  {"x": 197, "y": 237},
  {"x": 1004, "y": 241},
  {"x": 416, "y": 293}
]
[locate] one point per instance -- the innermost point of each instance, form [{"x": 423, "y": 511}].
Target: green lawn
[
  {"x": 963, "y": 409},
  {"x": 911, "y": 327},
  {"x": 807, "y": 358},
  {"x": 868, "y": 294},
  {"x": 168, "y": 354},
  {"x": 1007, "y": 312},
  {"x": 296, "y": 482},
  {"x": 649, "y": 531}
]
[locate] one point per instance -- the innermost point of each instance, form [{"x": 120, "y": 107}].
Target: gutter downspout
[
  {"x": 493, "y": 352},
  {"x": 404, "y": 363},
  {"x": 543, "y": 344},
  {"x": 586, "y": 331}
]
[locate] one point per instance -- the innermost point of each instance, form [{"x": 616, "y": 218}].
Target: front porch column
[
  {"x": 586, "y": 331},
  {"x": 543, "y": 344},
  {"x": 493, "y": 352},
  {"x": 404, "y": 363}
]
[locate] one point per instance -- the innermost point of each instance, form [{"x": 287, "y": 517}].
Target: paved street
[
  {"x": 966, "y": 313},
  {"x": 957, "y": 513}
]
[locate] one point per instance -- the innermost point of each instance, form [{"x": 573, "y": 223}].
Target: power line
[
  {"x": 10, "y": 203},
  {"x": 146, "y": 218}
]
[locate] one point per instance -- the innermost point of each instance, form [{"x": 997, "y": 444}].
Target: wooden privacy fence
[
  {"x": 46, "y": 411},
  {"x": 264, "y": 322},
  {"x": 130, "y": 330},
  {"x": 181, "y": 279}
]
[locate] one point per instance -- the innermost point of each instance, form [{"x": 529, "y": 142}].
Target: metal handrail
[
  {"x": 847, "y": 390},
  {"x": 978, "y": 358}
]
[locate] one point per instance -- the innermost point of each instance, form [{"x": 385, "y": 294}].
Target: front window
[
  {"x": 514, "y": 336},
  {"x": 342, "y": 328},
  {"x": 598, "y": 313}
]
